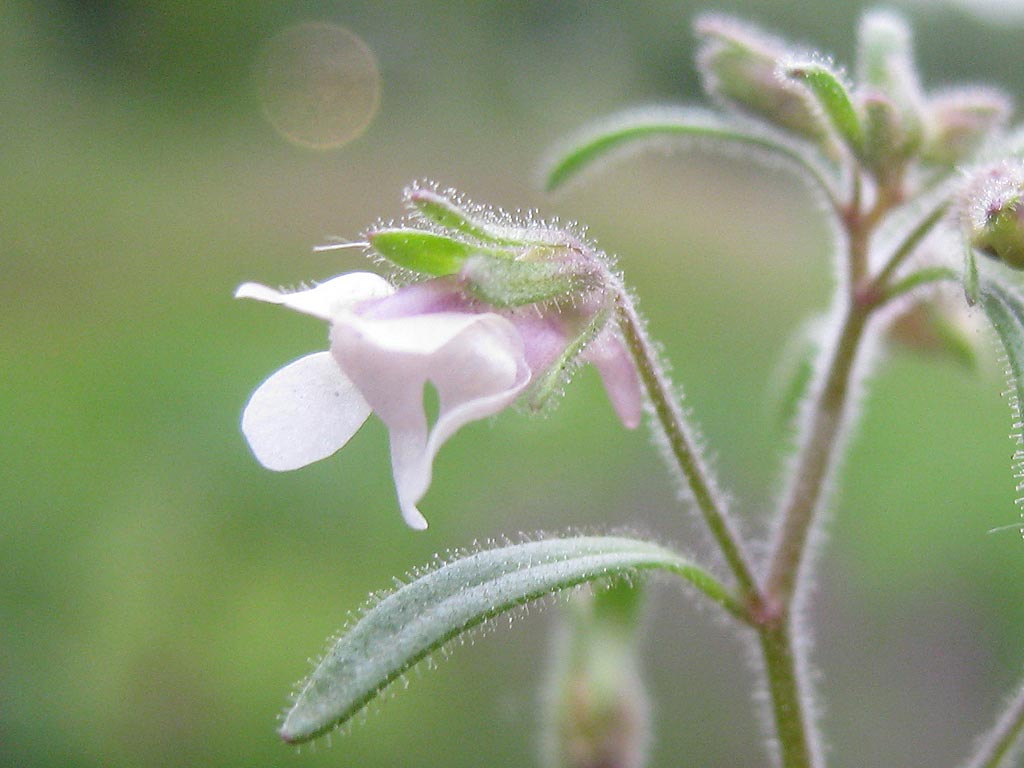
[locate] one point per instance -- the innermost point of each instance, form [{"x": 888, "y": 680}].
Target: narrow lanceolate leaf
[
  {"x": 833, "y": 98},
  {"x": 423, "y": 616},
  {"x": 638, "y": 129},
  {"x": 1005, "y": 309}
]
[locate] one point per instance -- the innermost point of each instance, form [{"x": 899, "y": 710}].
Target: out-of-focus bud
[
  {"x": 891, "y": 99},
  {"x": 598, "y": 710},
  {"x": 742, "y": 66},
  {"x": 959, "y": 121},
  {"x": 887, "y": 145},
  {"x": 992, "y": 209},
  {"x": 939, "y": 327}
]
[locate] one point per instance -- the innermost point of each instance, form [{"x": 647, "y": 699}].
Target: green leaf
[
  {"x": 425, "y": 615},
  {"x": 1005, "y": 310},
  {"x": 923, "y": 276},
  {"x": 640, "y": 128},
  {"x": 833, "y": 98},
  {"x": 791, "y": 381},
  {"x": 423, "y": 251}
]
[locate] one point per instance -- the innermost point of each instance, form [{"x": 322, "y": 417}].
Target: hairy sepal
[
  {"x": 428, "y": 253},
  {"x": 832, "y": 97},
  {"x": 448, "y": 211},
  {"x": 502, "y": 282},
  {"x": 425, "y": 615}
]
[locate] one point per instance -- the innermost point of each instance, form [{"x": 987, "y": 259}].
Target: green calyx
[
  {"x": 1003, "y": 235},
  {"x": 540, "y": 275},
  {"x": 503, "y": 264}
]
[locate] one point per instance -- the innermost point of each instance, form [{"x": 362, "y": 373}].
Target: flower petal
[
  {"x": 475, "y": 361},
  {"x": 326, "y": 300},
  {"x": 303, "y": 413},
  {"x": 609, "y": 355}
]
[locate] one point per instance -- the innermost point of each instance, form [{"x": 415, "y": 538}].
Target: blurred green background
[{"x": 160, "y": 592}]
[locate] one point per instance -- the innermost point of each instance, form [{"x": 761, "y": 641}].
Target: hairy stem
[
  {"x": 681, "y": 441},
  {"x": 794, "y": 738},
  {"x": 926, "y": 225},
  {"x": 815, "y": 462},
  {"x": 787, "y": 699},
  {"x": 999, "y": 744}
]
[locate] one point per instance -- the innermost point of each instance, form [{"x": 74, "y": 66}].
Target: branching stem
[{"x": 769, "y": 605}]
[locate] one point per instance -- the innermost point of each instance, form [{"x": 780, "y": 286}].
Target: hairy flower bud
[
  {"x": 742, "y": 66},
  {"x": 992, "y": 208},
  {"x": 599, "y": 715},
  {"x": 891, "y": 99},
  {"x": 959, "y": 121}
]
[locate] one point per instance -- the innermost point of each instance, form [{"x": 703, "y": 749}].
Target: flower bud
[
  {"x": 959, "y": 121},
  {"x": 993, "y": 211},
  {"x": 599, "y": 714},
  {"x": 742, "y": 66},
  {"x": 888, "y": 145},
  {"x": 891, "y": 99}
]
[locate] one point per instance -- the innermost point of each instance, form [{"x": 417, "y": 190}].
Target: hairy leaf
[
  {"x": 640, "y": 128},
  {"x": 1005, "y": 309},
  {"x": 442, "y": 605}
]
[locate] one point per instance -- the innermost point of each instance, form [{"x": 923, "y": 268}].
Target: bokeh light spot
[{"x": 319, "y": 84}]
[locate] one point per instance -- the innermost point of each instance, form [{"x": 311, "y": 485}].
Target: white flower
[{"x": 386, "y": 345}]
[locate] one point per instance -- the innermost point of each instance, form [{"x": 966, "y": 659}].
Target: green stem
[
  {"x": 999, "y": 744},
  {"x": 681, "y": 441},
  {"x": 817, "y": 457},
  {"x": 926, "y": 225},
  {"x": 773, "y": 629},
  {"x": 787, "y": 700}
]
